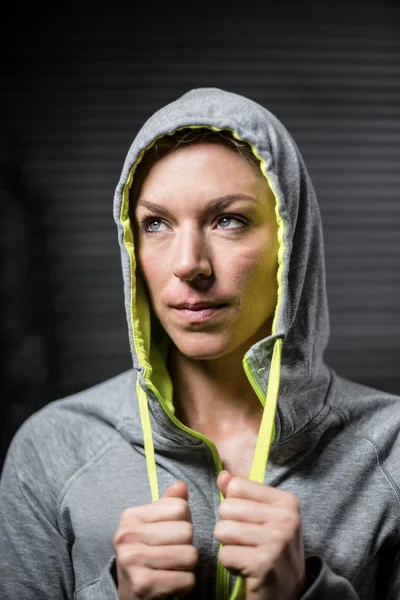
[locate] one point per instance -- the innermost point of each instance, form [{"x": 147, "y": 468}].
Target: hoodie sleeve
[
  {"x": 102, "y": 589},
  {"x": 35, "y": 556},
  {"x": 323, "y": 583}
]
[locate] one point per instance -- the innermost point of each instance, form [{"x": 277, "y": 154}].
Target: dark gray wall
[{"x": 76, "y": 88}]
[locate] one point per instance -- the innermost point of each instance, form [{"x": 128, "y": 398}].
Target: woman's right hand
[{"x": 154, "y": 550}]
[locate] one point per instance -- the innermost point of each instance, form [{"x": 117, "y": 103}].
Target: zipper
[
  {"x": 222, "y": 587},
  {"x": 223, "y": 575}
]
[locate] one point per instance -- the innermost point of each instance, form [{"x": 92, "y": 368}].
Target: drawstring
[
  {"x": 261, "y": 453},
  {"x": 266, "y": 431},
  {"x": 148, "y": 441},
  {"x": 264, "y": 438}
]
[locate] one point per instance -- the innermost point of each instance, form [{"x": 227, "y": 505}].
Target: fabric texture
[{"x": 75, "y": 465}]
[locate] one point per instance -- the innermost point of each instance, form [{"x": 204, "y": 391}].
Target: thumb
[
  {"x": 178, "y": 489},
  {"x": 223, "y": 480}
]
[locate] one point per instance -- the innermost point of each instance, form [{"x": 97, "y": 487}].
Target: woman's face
[{"x": 207, "y": 248}]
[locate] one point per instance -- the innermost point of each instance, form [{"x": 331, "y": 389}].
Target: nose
[{"x": 192, "y": 257}]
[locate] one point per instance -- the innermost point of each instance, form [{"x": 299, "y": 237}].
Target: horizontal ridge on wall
[{"x": 75, "y": 99}]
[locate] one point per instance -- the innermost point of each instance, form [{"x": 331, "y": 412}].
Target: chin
[{"x": 204, "y": 347}]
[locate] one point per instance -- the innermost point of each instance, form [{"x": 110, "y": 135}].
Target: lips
[
  {"x": 198, "y": 305},
  {"x": 197, "y": 312}
]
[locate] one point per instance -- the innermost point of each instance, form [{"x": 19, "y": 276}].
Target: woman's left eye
[{"x": 230, "y": 223}]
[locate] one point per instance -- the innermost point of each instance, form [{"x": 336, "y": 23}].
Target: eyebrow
[{"x": 214, "y": 206}]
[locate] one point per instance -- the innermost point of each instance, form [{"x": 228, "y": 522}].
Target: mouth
[{"x": 199, "y": 311}]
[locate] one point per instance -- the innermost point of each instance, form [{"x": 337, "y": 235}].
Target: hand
[
  {"x": 154, "y": 551},
  {"x": 260, "y": 529}
]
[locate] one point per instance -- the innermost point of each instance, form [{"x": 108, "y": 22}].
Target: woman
[{"x": 156, "y": 483}]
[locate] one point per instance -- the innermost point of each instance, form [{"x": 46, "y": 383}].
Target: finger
[
  {"x": 175, "y": 557},
  {"x": 240, "y": 487},
  {"x": 242, "y": 534},
  {"x": 178, "y": 489},
  {"x": 165, "y": 509},
  {"x": 249, "y": 511},
  {"x": 156, "y": 534},
  {"x": 223, "y": 480},
  {"x": 149, "y": 583},
  {"x": 255, "y": 561}
]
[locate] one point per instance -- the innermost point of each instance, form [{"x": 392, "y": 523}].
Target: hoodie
[{"x": 75, "y": 465}]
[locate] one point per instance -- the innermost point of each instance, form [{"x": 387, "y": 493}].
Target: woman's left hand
[{"x": 261, "y": 533}]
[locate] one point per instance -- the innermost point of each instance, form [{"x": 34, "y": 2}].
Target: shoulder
[
  {"x": 372, "y": 415},
  {"x": 58, "y": 440},
  {"x": 365, "y": 407}
]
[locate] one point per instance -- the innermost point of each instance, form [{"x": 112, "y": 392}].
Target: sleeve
[
  {"x": 394, "y": 577},
  {"x": 322, "y": 582},
  {"x": 101, "y": 589},
  {"x": 35, "y": 556}
]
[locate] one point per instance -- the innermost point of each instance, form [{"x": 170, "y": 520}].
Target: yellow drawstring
[
  {"x": 264, "y": 439},
  {"x": 148, "y": 441},
  {"x": 261, "y": 453}
]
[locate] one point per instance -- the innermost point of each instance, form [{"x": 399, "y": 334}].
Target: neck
[{"x": 213, "y": 397}]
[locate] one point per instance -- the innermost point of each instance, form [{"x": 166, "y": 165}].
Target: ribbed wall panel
[{"x": 76, "y": 88}]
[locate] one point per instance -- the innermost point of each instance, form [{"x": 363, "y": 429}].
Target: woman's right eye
[{"x": 152, "y": 225}]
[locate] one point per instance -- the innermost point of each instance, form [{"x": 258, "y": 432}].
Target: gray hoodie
[{"x": 75, "y": 465}]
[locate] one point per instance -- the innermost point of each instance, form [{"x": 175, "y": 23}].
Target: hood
[{"x": 285, "y": 369}]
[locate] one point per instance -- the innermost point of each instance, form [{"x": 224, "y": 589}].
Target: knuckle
[
  {"x": 142, "y": 583},
  {"x": 225, "y": 508},
  {"x": 119, "y": 537},
  {"x": 188, "y": 582},
  {"x": 293, "y": 503},
  {"x": 130, "y": 555},
  {"x": 192, "y": 556},
  {"x": 123, "y": 558},
  {"x": 187, "y": 530},
  {"x": 135, "y": 555},
  {"x": 129, "y": 519},
  {"x": 291, "y": 517},
  {"x": 255, "y": 585},
  {"x": 296, "y": 522},
  {"x": 220, "y": 529},
  {"x": 217, "y": 529},
  {"x": 262, "y": 562},
  {"x": 235, "y": 485},
  {"x": 123, "y": 533},
  {"x": 180, "y": 508},
  {"x": 224, "y": 554},
  {"x": 126, "y": 516}
]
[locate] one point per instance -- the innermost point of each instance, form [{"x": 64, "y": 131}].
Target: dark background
[{"x": 77, "y": 84}]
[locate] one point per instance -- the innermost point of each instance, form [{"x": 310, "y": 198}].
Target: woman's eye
[
  {"x": 154, "y": 225},
  {"x": 230, "y": 223}
]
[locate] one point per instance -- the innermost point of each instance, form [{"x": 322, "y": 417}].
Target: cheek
[
  {"x": 253, "y": 268},
  {"x": 154, "y": 271}
]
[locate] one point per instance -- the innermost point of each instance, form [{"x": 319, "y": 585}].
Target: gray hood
[{"x": 301, "y": 319}]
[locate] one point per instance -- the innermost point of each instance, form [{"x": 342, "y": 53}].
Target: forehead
[{"x": 202, "y": 170}]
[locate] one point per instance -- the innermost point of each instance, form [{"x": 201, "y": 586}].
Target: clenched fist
[
  {"x": 154, "y": 551},
  {"x": 260, "y": 529}
]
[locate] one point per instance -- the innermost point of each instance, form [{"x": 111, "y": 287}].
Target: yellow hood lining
[{"x": 139, "y": 309}]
